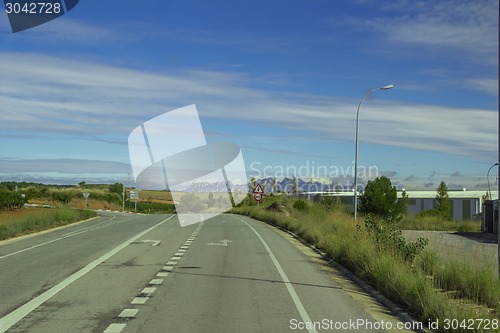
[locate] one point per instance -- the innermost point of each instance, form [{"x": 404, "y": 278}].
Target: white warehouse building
[{"x": 465, "y": 205}]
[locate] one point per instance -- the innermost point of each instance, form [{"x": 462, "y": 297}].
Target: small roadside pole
[
  {"x": 86, "y": 195},
  {"x": 257, "y": 193}
]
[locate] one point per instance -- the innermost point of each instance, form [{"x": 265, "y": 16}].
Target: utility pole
[
  {"x": 123, "y": 198},
  {"x": 129, "y": 186}
]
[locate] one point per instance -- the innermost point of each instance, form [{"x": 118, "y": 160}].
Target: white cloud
[
  {"x": 66, "y": 30},
  {"x": 488, "y": 85},
  {"x": 463, "y": 33},
  {"x": 466, "y": 25},
  {"x": 41, "y": 94}
]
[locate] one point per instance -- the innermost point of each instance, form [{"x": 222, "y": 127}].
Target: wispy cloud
[
  {"x": 465, "y": 32},
  {"x": 64, "y": 166},
  {"x": 489, "y": 85},
  {"x": 41, "y": 94},
  {"x": 68, "y": 31},
  {"x": 470, "y": 26}
]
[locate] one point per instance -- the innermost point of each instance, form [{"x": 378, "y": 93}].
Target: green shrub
[
  {"x": 10, "y": 200},
  {"x": 300, "y": 205},
  {"x": 387, "y": 235},
  {"x": 153, "y": 207}
]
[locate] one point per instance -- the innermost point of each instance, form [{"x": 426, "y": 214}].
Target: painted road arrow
[
  {"x": 155, "y": 242},
  {"x": 221, "y": 243}
]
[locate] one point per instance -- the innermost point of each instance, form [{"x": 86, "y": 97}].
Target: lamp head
[{"x": 389, "y": 86}]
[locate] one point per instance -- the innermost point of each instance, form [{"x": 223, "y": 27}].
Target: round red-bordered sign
[{"x": 257, "y": 196}]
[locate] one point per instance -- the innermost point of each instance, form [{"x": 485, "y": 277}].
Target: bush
[
  {"x": 11, "y": 200},
  {"x": 387, "y": 235},
  {"x": 62, "y": 197},
  {"x": 153, "y": 207},
  {"x": 300, "y": 205}
]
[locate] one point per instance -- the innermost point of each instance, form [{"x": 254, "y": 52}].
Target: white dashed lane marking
[
  {"x": 147, "y": 292},
  {"x": 128, "y": 313},
  {"x": 115, "y": 328},
  {"x": 139, "y": 300},
  {"x": 156, "y": 281}
]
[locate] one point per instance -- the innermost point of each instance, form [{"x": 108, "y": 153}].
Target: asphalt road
[
  {"x": 144, "y": 273},
  {"x": 456, "y": 246}
]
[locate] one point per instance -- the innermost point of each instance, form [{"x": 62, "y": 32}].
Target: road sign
[
  {"x": 258, "y": 189},
  {"x": 86, "y": 195},
  {"x": 257, "y": 197},
  {"x": 134, "y": 194}
]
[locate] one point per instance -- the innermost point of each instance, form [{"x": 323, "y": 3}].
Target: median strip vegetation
[
  {"x": 408, "y": 273},
  {"x": 29, "y": 220}
]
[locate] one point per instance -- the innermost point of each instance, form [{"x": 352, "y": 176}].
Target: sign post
[
  {"x": 257, "y": 193},
  {"x": 86, "y": 195},
  {"x": 134, "y": 194}
]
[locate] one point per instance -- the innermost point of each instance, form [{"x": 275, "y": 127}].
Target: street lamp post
[
  {"x": 488, "y": 179},
  {"x": 389, "y": 86}
]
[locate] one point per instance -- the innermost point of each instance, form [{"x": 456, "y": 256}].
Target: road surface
[{"x": 144, "y": 273}]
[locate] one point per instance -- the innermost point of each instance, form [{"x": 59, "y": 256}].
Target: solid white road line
[
  {"x": 15, "y": 316},
  {"x": 296, "y": 300}
]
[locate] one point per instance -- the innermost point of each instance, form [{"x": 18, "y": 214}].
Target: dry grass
[{"x": 155, "y": 196}]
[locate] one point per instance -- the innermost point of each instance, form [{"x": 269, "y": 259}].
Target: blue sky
[{"x": 282, "y": 79}]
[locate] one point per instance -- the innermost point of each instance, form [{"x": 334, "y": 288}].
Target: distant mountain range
[{"x": 283, "y": 185}]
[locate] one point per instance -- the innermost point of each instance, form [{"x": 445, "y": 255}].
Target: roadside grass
[
  {"x": 30, "y": 220},
  {"x": 153, "y": 207},
  {"x": 434, "y": 223},
  {"x": 428, "y": 288}
]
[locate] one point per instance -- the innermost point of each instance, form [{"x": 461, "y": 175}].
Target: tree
[
  {"x": 81, "y": 184},
  {"x": 403, "y": 203},
  {"x": 274, "y": 185},
  {"x": 116, "y": 188},
  {"x": 485, "y": 197},
  {"x": 294, "y": 185},
  {"x": 443, "y": 206},
  {"x": 381, "y": 198},
  {"x": 10, "y": 200}
]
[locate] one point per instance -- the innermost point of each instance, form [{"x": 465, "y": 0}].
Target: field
[{"x": 155, "y": 196}]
